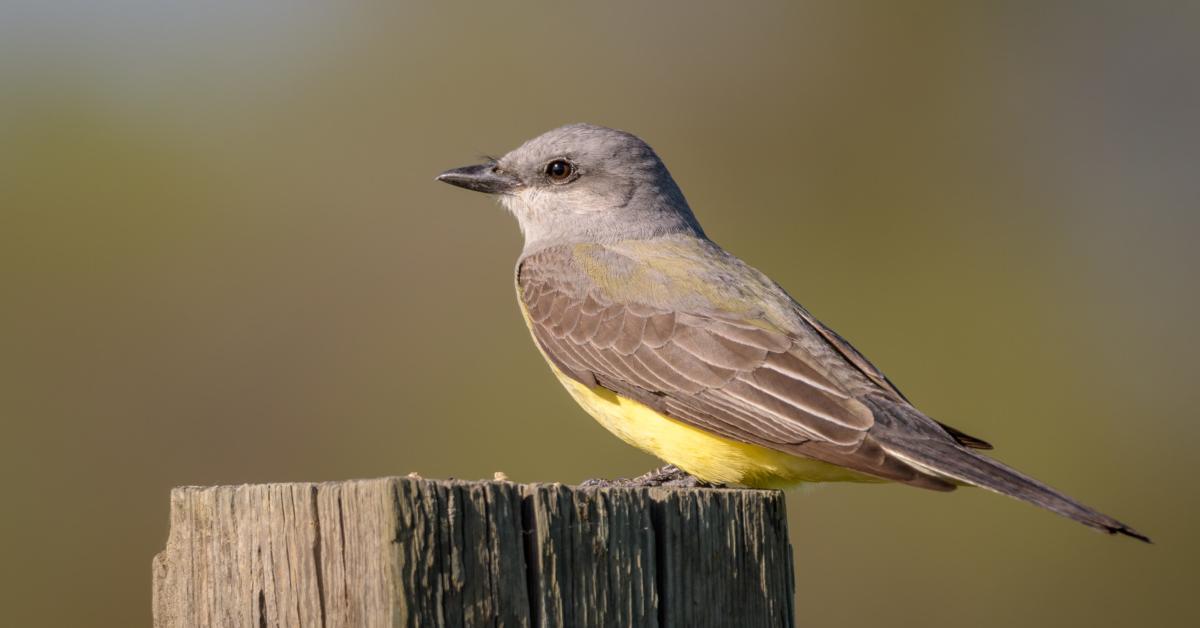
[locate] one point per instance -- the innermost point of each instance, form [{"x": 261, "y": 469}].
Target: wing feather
[
  {"x": 718, "y": 350},
  {"x": 630, "y": 337},
  {"x": 660, "y": 328},
  {"x": 678, "y": 382}
]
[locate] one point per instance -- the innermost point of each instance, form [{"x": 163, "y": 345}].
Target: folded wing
[{"x": 741, "y": 379}]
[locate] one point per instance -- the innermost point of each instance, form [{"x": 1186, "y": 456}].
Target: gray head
[{"x": 583, "y": 183}]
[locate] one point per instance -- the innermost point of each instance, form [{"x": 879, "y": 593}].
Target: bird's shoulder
[{"x": 679, "y": 274}]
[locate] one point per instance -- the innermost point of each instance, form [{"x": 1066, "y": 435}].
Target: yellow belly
[{"x": 709, "y": 457}]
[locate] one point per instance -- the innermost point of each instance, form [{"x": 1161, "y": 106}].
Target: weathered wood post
[{"x": 413, "y": 552}]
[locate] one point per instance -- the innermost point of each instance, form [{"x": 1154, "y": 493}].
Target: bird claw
[{"x": 668, "y": 476}]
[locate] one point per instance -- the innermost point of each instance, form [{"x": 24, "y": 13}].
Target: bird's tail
[{"x": 945, "y": 458}]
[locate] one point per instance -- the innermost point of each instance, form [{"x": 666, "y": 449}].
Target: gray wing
[{"x": 741, "y": 380}]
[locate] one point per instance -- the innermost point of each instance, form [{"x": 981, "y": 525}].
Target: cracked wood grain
[{"x": 413, "y": 552}]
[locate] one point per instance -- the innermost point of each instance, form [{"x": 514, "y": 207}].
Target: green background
[{"x": 223, "y": 259}]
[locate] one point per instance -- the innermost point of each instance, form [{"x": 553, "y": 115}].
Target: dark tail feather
[
  {"x": 949, "y": 460},
  {"x": 964, "y": 439}
]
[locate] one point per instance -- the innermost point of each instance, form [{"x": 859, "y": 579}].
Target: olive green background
[{"x": 223, "y": 259}]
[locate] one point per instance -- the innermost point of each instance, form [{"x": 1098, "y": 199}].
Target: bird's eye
[{"x": 560, "y": 170}]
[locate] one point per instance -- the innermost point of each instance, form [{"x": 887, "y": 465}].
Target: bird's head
[{"x": 583, "y": 183}]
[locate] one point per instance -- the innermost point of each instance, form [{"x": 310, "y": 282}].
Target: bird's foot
[{"x": 670, "y": 475}]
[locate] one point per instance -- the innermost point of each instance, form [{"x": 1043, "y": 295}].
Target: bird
[{"x": 685, "y": 351}]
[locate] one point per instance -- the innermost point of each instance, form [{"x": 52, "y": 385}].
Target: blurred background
[{"x": 223, "y": 259}]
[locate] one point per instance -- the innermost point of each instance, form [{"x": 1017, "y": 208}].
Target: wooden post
[{"x": 413, "y": 552}]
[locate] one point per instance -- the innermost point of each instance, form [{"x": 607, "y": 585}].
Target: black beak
[{"x": 486, "y": 178}]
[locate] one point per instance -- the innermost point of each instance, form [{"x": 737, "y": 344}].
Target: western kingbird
[{"x": 690, "y": 354}]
